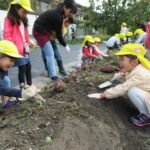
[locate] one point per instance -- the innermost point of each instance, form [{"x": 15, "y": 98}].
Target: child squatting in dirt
[
  {"x": 89, "y": 51},
  {"x": 137, "y": 74},
  {"x": 8, "y": 55}
]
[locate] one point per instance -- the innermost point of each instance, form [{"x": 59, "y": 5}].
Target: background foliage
[{"x": 111, "y": 13}]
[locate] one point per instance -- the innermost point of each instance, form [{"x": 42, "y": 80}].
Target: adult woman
[{"x": 48, "y": 22}]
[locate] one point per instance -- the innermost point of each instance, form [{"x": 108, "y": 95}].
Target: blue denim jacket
[{"x": 5, "y": 91}]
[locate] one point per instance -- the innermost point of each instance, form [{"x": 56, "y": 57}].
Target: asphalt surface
[{"x": 69, "y": 59}]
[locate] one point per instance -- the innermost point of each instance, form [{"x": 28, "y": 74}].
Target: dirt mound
[{"x": 71, "y": 121}]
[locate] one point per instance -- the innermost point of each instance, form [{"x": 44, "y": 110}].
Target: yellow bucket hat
[
  {"x": 96, "y": 39},
  {"x": 136, "y": 50},
  {"x": 123, "y": 24},
  {"x": 138, "y": 31},
  {"x": 116, "y": 35},
  {"x": 24, "y": 3},
  {"x": 9, "y": 48},
  {"x": 122, "y": 36},
  {"x": 88, "y": 38},
  {"x": 128, "y": 33}
]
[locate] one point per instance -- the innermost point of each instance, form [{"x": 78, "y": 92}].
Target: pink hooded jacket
[
  {"x": 147, "y": 40},
  {"x": 12, "y": 33}
]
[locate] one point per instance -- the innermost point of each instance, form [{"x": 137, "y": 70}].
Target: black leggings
[{"x": 25, "y": 71}]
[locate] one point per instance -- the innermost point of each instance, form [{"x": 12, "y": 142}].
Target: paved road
[{"x": 38, "y": 67}]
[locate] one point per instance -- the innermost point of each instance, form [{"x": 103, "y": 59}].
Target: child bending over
[
  {"x": 87, "y": 53},
  {"x": 137, "y": 85},
  {"x": 8, "y": 55}
]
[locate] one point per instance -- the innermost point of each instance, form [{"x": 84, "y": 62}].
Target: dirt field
[{"x": 71, "y": 121}]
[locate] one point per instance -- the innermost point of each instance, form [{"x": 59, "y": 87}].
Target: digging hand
[
  {"x": 96, "y": 95},
  {"x": 28, "y": 93}
]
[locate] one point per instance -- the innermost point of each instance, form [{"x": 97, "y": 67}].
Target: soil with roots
[{"x": 69, "y": 120}]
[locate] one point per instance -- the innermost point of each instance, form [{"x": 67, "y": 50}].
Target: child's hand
[{"x": 96, "y": 95}]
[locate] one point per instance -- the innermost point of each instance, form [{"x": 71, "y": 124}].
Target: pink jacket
[
  {"x": 147, "y": 40},
  {"x": 12, "y": 33}
]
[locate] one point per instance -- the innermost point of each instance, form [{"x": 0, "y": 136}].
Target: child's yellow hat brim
[
  {"x": 9, "y": 48},
  {"x": 136, "y": 50}
]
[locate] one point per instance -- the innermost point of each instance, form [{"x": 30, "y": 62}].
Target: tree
[
  {"x": 111, "y": 14},
  {"x": 4, "y": 4}
]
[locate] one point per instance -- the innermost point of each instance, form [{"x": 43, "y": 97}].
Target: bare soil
[{"x": 73, "y": 121}]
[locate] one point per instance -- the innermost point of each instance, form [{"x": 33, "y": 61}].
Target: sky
[
  {"x": 85, "y": 2},
  {"x": 82, "y": 2}
]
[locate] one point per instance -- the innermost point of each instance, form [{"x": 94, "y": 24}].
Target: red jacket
[
  {"x": 90, "y": 52},
  {"x": 13, "y": 34}
]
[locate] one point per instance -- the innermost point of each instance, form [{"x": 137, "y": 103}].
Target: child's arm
[
  {"x": 121, "y": 89},
  {"x": 95, "y": 52},
  {"x": 11, "y": 92},
  {"x": 7, "y": 33},
  {"x": 32, "y": 43},
  {"x": 102, "y": 53}
]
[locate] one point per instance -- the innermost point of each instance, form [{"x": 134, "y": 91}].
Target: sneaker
[
  {"x": 9, "y": 104},
  {"x": 24, "y": 86},
  {"x": 35, "y": 88},
  {"x": 64, "y": 73},
  {"x": 140, "y": 120}
]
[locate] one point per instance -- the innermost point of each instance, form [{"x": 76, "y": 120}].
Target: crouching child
[
  {"x": 8, "y": 56},
  {"x": 137, "y": 85}
]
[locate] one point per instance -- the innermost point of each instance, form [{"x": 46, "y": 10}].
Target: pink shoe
[
  {"x": 78, "y": 68},
  {"x": 35, "y": 88}
]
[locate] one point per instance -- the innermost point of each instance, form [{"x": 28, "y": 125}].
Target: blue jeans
[
  {"x": 56, "y": 51},
  {"x": 57, "y": 56},
  {"x": 6, "y": 82},
  {"x": 48, "y": 59}
]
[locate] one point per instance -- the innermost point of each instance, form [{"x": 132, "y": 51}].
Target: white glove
[
  {"x": 28, "y": 93},
  {"x": 67, "y": 49},
  {"x": 96, "y": 95}
]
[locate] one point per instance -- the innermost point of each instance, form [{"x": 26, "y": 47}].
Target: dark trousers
[{"x": 25, "y": 72}]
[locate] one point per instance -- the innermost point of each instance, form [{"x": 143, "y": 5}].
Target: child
[
  {"x": 87, "y": 53},
  {"x": 57, "y": 55},
  {"x": 15, "y": 30},
  {"x": 129, "y": 36},
  {"x": 137, "y": 34},
  {"x": 96, "y": 45},
  {"x": 8, "y": 55},
  {"x": 124, "y": 28},
  {"x": 115, "y": 41},
  {"x": 66, "y": 23},
  {"x": 137, "y": 72}
]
